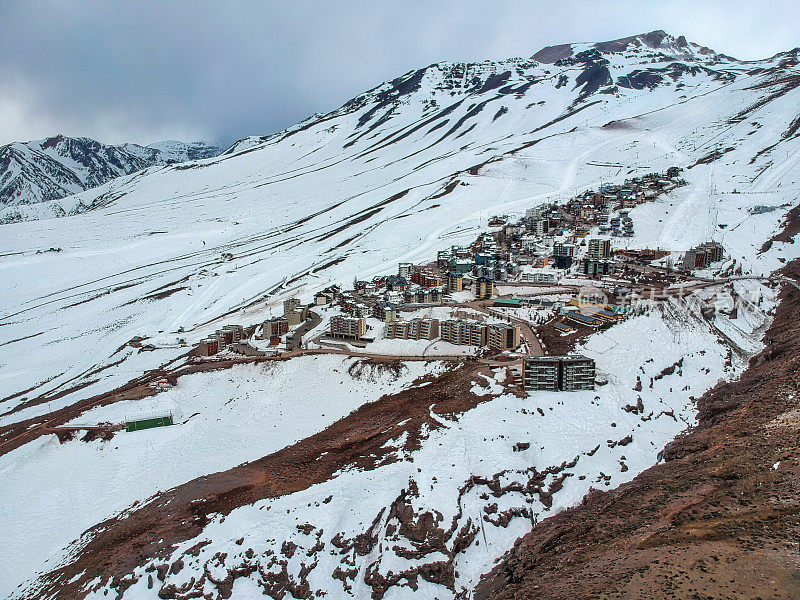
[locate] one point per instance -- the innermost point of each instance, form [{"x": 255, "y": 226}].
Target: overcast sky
[{"x": 148, "y": 71}]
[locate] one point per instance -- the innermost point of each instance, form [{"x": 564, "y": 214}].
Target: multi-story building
[
  {"x": 424, "y": 296},
  {"x": 361, "y": 309},
  {"x": 415, "y": 329},
  {"x": 577, "y": 373},
  {"x": 386, "y": 312},
  {"x": 404, "y": 270},
  {"x": 396, "y": 283},
  {"x": 541, "y": 276},
  {"x": 714, "y": 250},
  {"x": 599, "y": 248},
  {"x": 223, "y": 337},
  {"x": 503, "y": 336},
  {"x": 455, "y": 282},
  {"x": 462, "y": 265},
  {"x": 352, "y": 328},
  {"x": 564, "y": 249},
  {"x": 291, "y": 305},
  {"x": 426, "y": 279},
  {"x": 562, "y": 262},
  {"x": 484, "y": 287},
  {"x": 292, "y": 312},
  {"x": 237, "y": 331},
  {"x": 229, "y": 334},
  {"x": 322, "y": 298},
  {"x": 558, "y": 373},
  {"x": 275, "y": 327},
  {"x": 463, "y": 333},
  {"x": 540, "y": 373},
  {"x": 596, "y": 267},
  {"x": 208, "y": 347},
  {"x": 703, "y": 255}
]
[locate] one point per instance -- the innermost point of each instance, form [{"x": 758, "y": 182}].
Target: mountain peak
[{"x": 658, "y": 40}]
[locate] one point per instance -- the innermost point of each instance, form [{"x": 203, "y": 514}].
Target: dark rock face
[
  {"x": 659, "y": 41},
  {"x": 550, "y": 54}
]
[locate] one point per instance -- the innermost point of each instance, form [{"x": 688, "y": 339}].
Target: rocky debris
[
  {"x": 669, "y": 370},
  {"x": 636, "y": 409}
]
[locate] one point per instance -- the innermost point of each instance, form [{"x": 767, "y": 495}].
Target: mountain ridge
[{"x": 59, "y": 166}]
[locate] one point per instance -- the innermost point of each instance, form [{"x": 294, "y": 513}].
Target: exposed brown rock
[{"x": 719, "y": 518}]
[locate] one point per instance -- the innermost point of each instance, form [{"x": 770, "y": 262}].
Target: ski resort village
[
  {"x": 541, "y": 276},
  {"x": 459, "y": 338}
]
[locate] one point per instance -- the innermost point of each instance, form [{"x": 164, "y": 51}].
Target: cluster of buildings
[
  {"x": 294, "y": 313},
  {"x": 461, "y": 332},
  {"x": 483, "y": 263},
  {"x": 552, "y": 238},
  {"x": 222, "y": 338},
  {"x": 549, "y": 242},
  {"x": 589, "y": 206},
  {"x": 383, "y": 296},
  {"x": 558, "y": 373},
  {"x": 701, "y": 257}
]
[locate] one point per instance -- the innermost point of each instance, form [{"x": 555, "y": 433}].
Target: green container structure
[
  {"x": 507, "y": 302},
  {"x": 148, "y": 423}
]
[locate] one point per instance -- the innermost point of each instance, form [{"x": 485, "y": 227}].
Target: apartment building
[
  {"x": 464, "y": 333},
  {"x": 564, "y": 249},
  {"x": 404, "y": 270},
  {"x": 423, "y": 295},
  {"x": 426, "y": 279},
  {"x": 386, "y": 312},
  {"x": 275, "y": 327},
  {"x": 229, "y": 334},
  {"x": 503, "y": 336},
  {"x": 322, "y": 298},
  {"x": 703, "y": 255},
  {"x": 596, "y": 267},
  {"x": 599, "y": 248},
  {"x": 558, "y": 373},
  {"x": 291, "y": 305},
  {"x": 292, "y": 312},
  {"x": 484, "y": 287},
  {"x": 577, "y": 373},
  {"x": 237, "y": 332},
  {"x": 540, "y": 373},
  {"x": 415, "y": 329},
  {"x": 540, "y": 276},
  {"x": 455, "y": 281},
  {"x": 351, "y": 328},
  {"x": 208, "y": 347}
]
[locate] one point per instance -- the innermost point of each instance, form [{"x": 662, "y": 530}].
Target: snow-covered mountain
[
  {"x": 412, "y": 166},
  {"x": 59, "y": 166}
]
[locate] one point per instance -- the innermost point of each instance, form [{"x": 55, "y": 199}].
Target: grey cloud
[{"x": 125, "y": 71}]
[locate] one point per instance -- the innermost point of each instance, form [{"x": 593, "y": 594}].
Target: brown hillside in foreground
[{"x": 719, "y": 518}]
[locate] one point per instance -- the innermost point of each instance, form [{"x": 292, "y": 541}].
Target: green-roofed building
[{"x": 507, "y": 302}]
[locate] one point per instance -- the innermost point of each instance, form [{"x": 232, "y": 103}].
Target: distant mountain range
[{"x": 59, "y": 166}]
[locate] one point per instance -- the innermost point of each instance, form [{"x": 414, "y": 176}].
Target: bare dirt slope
[{"x": 718, "y": 518}]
